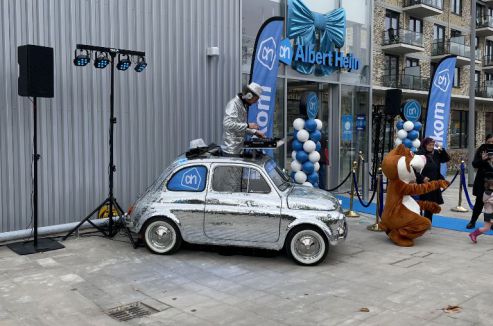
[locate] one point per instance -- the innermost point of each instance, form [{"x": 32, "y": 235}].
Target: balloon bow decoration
[
  {"x": 408, "y": 134},
  {"x": 306, "y": 143}
]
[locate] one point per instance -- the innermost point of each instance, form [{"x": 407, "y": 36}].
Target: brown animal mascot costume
[{"x": 400, "y": 219}]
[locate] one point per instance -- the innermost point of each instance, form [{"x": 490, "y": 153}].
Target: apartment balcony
[
  {"x": 406, "y": 82},
  {"x": 441, "y": 49},
  {"x": 486, "y": 90},
  {"x": 488, "y": 63},
  {"x": 401, "y": 41},
  {"x": 423, "y": 8},
  {"x": 484, "y": 26}
]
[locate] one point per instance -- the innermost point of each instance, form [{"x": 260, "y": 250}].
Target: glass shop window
[
  {"x": 239, "y": 179},
  {"x": 192, "y": 178}
]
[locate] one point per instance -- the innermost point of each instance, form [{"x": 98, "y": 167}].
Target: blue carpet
[{"x": 439, "y": 221}]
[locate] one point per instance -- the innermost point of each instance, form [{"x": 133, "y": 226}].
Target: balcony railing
[
  {"x": 406, "y": 82},
  {"x": 396, "y": 36},
  {"x": 486, "y": 90},
  {"x": 450, "y": 47},
  {"x": 438, "y": 4},
  {"x": 484, "y": 21},
  {"x": 488, "y": 60}
]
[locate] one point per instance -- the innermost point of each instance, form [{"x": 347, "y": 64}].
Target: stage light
[
  {"x": 141, "y": 64},
  {"x": 82, "y": 58},
  {"x": 101, "y": 60},
  {"x": 124, "y": 63}
]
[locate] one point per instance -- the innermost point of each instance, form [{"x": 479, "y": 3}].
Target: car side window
[
  {"x": 238, "y": 179},
  {"x": 192, "y": 178}
]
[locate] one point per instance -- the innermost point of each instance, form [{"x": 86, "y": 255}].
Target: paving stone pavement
[{"x": 208, "y": 286}]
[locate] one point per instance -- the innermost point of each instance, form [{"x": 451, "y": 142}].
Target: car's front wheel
[
  {"x": 161, "y": 236},
  {"x": 307, "y": 245}
]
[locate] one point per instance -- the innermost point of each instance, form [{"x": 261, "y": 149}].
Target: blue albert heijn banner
[
  {"x": 438, "y": 115},
  {"x": 347, "y": 127},
  {"x": 265, "y": 64}
]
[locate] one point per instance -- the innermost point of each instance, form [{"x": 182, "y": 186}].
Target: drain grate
[{"x": 130, "y": 311}]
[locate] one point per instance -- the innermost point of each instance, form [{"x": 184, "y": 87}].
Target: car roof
[{"x": 208, "y": 158}]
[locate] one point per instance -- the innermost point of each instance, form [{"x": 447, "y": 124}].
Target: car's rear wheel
[
  {"x": 161, "y": 236},
  {"x": 307, "y": 245}
]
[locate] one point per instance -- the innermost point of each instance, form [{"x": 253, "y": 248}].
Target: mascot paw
[
  {"x": 435, "y": 208},
  {"x": 443, "y": 183}
]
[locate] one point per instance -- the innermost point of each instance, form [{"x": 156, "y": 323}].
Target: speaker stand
[{"x": 32, "y": 247}]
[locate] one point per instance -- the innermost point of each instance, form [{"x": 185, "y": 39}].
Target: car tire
[
  {"x": 307, "y": 245},
  {"x": 161, "y": 236}
]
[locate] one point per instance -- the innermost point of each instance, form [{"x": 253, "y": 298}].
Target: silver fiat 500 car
[{"x": 233, "y": 201}]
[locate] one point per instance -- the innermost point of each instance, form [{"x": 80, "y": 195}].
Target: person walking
[
  {"x": 431, "y": 171},
  {"x": 483, "y": 165},
  {"x": 488, "y": 207},
  {"x": 235, "y": 125}
]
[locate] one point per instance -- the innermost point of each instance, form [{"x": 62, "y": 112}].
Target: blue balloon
[
  {"x": 310, "y": 125},
  {"x": 301, "y": 156},
  {"x": 313, "y": 178},
  {"x": 316, "y": 135},
  {"x": 400, "y": 124},
  {"x": 316, "y": 185},
  {"x": 297, "y": 145},
  {"x": 414, "y": 149},
  {"x": 308, "y": 167},
  {"x": 292, "y": 175},
  {"x": 413, "y": 134},
  {"x": 318, "y": 146},
  {"x": 407, "y": 142},
  {"x": 295, "y": 134},
  {"x": 417, "y": 125}
]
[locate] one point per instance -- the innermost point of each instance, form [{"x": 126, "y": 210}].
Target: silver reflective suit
[{"x": 235, "y": 126}]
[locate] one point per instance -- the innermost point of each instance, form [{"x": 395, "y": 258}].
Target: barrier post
[
  {"x": 350, "y": 212},
  {"x": 459, "y": 207},
  {"x": 375, "y": 227}
]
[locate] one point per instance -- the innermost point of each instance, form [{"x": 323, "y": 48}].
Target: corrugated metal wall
[{"x": 179, "y": 97}]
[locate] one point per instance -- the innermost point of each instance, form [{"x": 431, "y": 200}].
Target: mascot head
[{"x": 400, "y": 163}]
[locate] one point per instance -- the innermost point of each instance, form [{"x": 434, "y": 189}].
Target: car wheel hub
[
  {"x": 307, "y": 246},
  {"x": 162, "y": 237}
]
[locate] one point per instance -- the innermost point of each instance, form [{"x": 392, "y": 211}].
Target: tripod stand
[{"x": 112, "y": 229}]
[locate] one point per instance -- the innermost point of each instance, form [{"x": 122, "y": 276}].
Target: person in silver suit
[{"x": 235, "y": 124}]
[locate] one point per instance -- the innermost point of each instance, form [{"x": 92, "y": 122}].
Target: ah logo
[
  {"x": 285, "y": 52},
  {"x": 312, "y": 105},
  {"x": 412, "y": 110},
  {"x": 191, "y": 179},
  {"x": 267, "y": 53},
  {"x": 442, "y": 80}
]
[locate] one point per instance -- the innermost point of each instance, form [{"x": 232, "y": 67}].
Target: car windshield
[{"x": 277, "y": 176}]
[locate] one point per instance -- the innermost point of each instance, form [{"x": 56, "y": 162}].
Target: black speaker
[
  {"x": 393, "y": 102},
  {"x": 35, "y": 70}
]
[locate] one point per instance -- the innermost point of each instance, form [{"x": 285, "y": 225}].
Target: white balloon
[
  {"x": 416, "y": 143},
  {"x": 319, "y": 124},
  {"x": 300, "y": 177},
  {"x": 293, "y": 155},
  {"x": 303, "y": 135},
  {"x": 316, "y": 166},
  {"x": 408, "y": 126},
  {"x": 397, "y": 141},
  {"x": 308, "y": 184},
  {"x": 298, "y": 124},
  {"x": 402, "y": 134},
  {"x": 314, "y": 157},
  {"x": 295, "y": 166},
  {"x": 309, "y": 146}
]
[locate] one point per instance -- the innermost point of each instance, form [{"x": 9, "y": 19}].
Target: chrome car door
[{"x": 235, "y": 212}]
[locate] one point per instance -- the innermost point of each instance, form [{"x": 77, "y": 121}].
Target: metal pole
[
  {"x": 471, "y": 114},
  {"x": 112, "y": 122},
  {"x": 35, "y": 181}
]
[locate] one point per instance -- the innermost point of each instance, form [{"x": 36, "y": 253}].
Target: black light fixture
[
  {"x": 123, "y": 63},
  {"x": 141, "y": 64},
  {"x": 82, "y": 57},
  {"x": 101, "y": 60}
]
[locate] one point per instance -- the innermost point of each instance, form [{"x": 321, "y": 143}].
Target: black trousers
[
  {"x": 478, "y": 208},
  {"x": 428, "y": 215}
]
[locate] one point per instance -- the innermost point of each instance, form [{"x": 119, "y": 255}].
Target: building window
[
  {"x": 488, "y": 76},
  {"x": 391, "y": 66},
  {"x": 391, "y": 20},
  {"x": 433, "y": 68},
  {"x": 457, "y": 77},
  {"x": 411, "y": 62},
  {"x": 488, "y": 49},
  {"x": 438, "y": 32},
  {"x": 415, "y": 25},
  {"x": 458, "y": 129},
  {"x": 456, "y": 7},
  {"x": 488, "y": 119}
]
